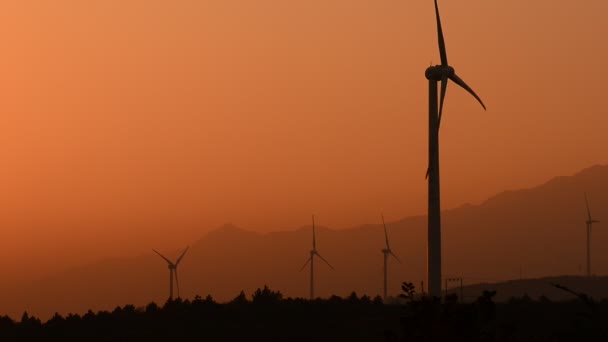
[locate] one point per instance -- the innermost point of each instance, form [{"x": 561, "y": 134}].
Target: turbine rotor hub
[{"x": 437, "y": 72}]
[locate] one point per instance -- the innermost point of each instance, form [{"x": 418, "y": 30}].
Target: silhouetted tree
[
  {"x": 72, "y": 318},
  {"x": 152, "y": 308},
  {"x": 353, "y": 298},
  {"x": 6, "y": 322},
  {"x": 29, "y": 327},
  {"x": 31, "y": 322},
  {"x": 241, "y": 299},
  {"x": 56, "y": 319},
  {"x": 128, "y": 309},
  {"x": 335, "y": 300},
  {"x": 486, "y": 316},
  {"x": 409, "y": 291},
  {"x": 266, "y": 296}
]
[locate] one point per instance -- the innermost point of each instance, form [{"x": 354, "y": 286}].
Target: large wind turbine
[
  {"x": 387, "y": 251},
  {"x": 173, "y": 271},
  {"x": 590, "y": 223},
  {"x": 311, "y": 260},
  {"x": 437, "y": 73}
]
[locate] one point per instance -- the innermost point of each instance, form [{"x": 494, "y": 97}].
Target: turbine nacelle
[
  {"x": 439, "y": 72},
  {"x": 590, "y": 220},
  {"x": 172, "y": 266},
  {"x": 386, "y": 251}
]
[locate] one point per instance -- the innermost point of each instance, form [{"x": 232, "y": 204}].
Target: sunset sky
[{"x": 127, "y": 125}]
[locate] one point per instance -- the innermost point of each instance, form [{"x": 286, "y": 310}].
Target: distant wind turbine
[
  {"x": 436, "y": 74},
  {"x": 387, "y": 251},
  {"x": 590, "y": 223},
  {"x": 173, "y": 271},
  {"x": 311, "y": 260}
]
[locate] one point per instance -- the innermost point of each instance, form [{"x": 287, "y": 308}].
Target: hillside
[{"x": 595, "y": 287}]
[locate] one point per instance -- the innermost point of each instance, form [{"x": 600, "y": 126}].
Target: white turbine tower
[
  {"x": 311, "y": 260},
  {"x": 173, "y": 271},
  {"x": 387, "y": 252},
  {"x": 590, "y": 223}
]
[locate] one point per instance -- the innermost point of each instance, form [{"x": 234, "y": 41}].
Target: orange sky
[{"x": 131, "y": 124}]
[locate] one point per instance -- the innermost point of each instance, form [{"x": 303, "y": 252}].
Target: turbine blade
[
  {"x": 385, "y": 233},
  {"x": 327, "y": 262},
  {"x": 307, "y": 261},
  {"x": 162, "y": 256},
  {"x": 396, "y": 258},
  {"x": 176, "y": 281},
  {"x": 314, "y": 240},
  {"x": 582, "y": 296},
  {"x": 588, "y": 211},
  {"x": 561, "y": 287},
  {"x": 181, "y": 256},
  {"x": 428, "y": 170},
  {"x": 461, "y": 83},
  {"x": 442, "y": 53},
  {"x": 444, "y": 88}
]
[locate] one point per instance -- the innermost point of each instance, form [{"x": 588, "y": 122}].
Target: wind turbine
[
  {"x": 437, "y": 73},
  {"x": 311, "y": 260},
  {"x": 387, "y": 251},
  {"x": 173, "y": 271},
  {"x": 590, "y": 223}
]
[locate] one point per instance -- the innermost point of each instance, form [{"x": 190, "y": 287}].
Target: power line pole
[
  {"x": 459, "y": 280},
  {"x": 461, "y": 292}
]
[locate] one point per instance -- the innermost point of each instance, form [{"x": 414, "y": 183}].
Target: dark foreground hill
[
  {"x": 540, "y": 288},
  {"x": 270, "y": 317}
]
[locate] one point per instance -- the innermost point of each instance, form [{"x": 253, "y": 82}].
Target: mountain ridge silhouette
[{"x": 532, "y": 232}]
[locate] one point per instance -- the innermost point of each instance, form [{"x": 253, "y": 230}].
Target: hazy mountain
[{"x": 525, "y": 233}]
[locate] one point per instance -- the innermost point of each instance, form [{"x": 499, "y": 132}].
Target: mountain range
[{"x": 521, "y": 234}]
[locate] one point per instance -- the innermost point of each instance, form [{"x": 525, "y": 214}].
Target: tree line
[{"x": 268, "y": 316}]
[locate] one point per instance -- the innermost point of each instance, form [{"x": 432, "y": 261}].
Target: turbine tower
[
  {"x": 387, "y": 251},
  {"x": 437, "y": 73},
  {"x": 173, "y": 271},
  {"x": 590, "y": 223},
  {"x": 311, "y": 260}
]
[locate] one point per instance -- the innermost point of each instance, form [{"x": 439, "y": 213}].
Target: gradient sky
[{"x": 131, "y": 124}]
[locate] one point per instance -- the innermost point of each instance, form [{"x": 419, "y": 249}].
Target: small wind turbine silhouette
[
  {"x": 437, "y": 73},
  {"x": 311, "y": 260},
  {"x": 387, "y": 251},
  {"x": 590, "y": 223},
  {"x": 173, "y": 271}
]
